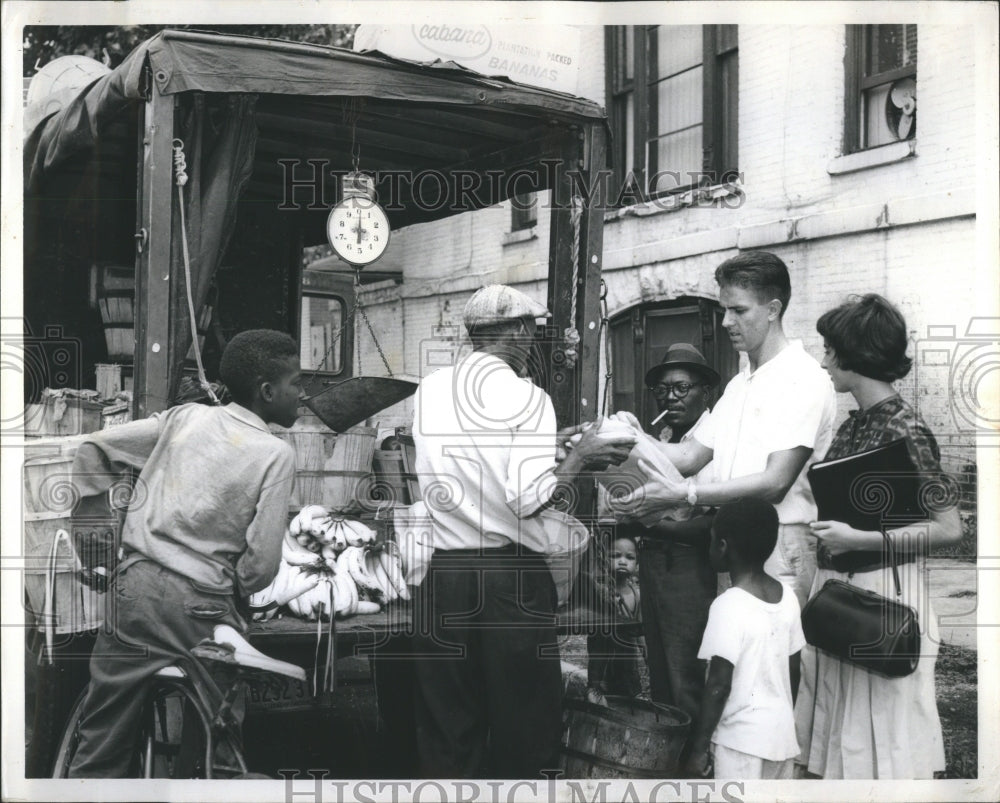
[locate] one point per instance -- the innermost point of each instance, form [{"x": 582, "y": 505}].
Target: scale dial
[{"x": 358, "y": 230}]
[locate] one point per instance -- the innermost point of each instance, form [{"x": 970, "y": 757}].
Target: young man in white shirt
[{"x": 773, "y": 421}]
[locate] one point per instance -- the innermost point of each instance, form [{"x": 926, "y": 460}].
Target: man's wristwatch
[{"x": 692, "y": 494}]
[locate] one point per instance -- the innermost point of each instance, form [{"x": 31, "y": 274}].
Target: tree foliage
[{"x": 111, "y": 44}]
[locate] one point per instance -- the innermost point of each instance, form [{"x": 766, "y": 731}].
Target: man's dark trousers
[
  {"x": 489, "y": 687},
  {"x": 678, "y": 585}
]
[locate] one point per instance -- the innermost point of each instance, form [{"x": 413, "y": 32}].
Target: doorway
[{"x": 641, "y": 336}]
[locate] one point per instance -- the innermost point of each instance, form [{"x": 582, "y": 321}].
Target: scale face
[{"x": 358, "y": 228}]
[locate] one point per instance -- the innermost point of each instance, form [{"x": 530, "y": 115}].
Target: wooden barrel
[
  {"x": 313, "y": 443},
  {"x": 331, "y": 469},
  {"x": 347, "y": 474},
  {"x": 628, "y": 738}
]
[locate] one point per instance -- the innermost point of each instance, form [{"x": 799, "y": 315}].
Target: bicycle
[{"x": 180, "y": 737}]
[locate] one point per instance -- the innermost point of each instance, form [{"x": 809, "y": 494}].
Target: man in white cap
[{"x": 489, "y": 690}]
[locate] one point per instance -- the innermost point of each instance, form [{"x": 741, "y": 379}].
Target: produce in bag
[{"x": 619, "y": 481}]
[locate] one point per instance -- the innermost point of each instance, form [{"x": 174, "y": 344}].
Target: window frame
[
  {"x": 523, "y": 211},
  {"x": 857, "y": 83},
  {"x": 324, "y": 284},
  {"x": 719, "y": 143}
]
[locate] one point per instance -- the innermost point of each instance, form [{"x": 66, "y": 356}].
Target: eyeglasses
[{"x": 680, "y": 389}]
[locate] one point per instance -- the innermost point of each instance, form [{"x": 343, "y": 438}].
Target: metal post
[{"x": 152, "y": 267}]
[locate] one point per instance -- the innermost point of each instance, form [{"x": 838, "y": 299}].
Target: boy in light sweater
[{"x": 746, "y": 727}]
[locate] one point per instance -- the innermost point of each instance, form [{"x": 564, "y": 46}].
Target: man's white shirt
[
  {"x": 486, "y": 446},
  {"x": 787, "y": 402}
]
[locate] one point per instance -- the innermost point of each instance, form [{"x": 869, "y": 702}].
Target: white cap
[{"x": 498, "y": 302}]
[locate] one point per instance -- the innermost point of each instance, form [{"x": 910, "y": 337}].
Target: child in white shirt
[{"x": 752, "y": 639}]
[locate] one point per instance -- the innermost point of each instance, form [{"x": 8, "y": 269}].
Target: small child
[
  {"x": 625, "y": 564},
  {"x": 753, "y": 638},
  {"x": 613, "y": 667}
]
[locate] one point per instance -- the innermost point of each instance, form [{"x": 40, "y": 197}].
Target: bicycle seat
[
  {"x": 172, "y": 671},
  {"x": 228, "y": 646}
]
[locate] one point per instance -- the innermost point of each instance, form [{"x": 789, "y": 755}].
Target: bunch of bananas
[{"x": 333, "y": 567}]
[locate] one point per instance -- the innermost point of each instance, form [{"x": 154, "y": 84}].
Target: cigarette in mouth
[{"x": 657, "y": 419}]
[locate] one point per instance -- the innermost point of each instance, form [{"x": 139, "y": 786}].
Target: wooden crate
[
  {"x": 333, "y": 470},
  {"x": 347, "y": 473},
  {"x": 75, "y": 606},
  {"x": 59, "y": 417},
  {"x": 51, "y": 562}
]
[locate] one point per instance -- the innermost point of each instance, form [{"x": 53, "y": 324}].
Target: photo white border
[{"x": 983, "y": 16}]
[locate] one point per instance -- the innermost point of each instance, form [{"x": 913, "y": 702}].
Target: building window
[
  {"x": 881, "y": 91},
  {"x": 672, "y": 97},
  {"x": 523, "y": 211}
]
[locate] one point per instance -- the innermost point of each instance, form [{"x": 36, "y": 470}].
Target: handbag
[{"x": 864, "y": 628}]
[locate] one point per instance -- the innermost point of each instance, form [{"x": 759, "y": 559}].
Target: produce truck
[{"x": 126, "y": 265}]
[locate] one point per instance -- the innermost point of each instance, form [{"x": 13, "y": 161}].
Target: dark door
[{"x": 641, "y": 336}]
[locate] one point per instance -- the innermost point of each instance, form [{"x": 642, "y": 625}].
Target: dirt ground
[
  {"x": 953, "y": 584},
  {"x": 956, "y": 678},
  {"x": 344, "y": 741}
]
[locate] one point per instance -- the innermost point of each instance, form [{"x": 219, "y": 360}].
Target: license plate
[{"x": 273, "y": 692}]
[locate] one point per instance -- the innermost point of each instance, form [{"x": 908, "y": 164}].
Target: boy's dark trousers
[{"x": 154, "y": 617}]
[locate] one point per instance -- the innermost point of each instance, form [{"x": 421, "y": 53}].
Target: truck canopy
[
  {"x": 269, "y": 127},
  {"x": 312, "y": 100}
]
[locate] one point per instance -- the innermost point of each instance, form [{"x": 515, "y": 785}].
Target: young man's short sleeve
[
  {"x": 722, "y": 635},
  {"x": 705, "y": 433},
  {"x": 802, "y": 413}
]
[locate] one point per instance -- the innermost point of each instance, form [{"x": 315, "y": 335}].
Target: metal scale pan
[{"x": 350, "y": 402}]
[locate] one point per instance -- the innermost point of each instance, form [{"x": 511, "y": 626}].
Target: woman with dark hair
[{"x": 850, "y": 722}]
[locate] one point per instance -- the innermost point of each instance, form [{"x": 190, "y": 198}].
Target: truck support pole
[{"x": 152, "y": 267}]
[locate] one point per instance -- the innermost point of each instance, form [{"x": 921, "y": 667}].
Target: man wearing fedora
[{"x": 678, "y": 583}]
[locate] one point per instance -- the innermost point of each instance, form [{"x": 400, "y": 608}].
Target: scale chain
[{"x": 359, "y": 306}]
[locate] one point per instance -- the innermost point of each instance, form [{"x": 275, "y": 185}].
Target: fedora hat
[{"x": 683, "y": 355}]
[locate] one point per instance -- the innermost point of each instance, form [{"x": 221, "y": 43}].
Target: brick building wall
[{"x": 905, "y": 228}]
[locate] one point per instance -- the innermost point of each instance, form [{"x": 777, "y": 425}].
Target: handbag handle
[{"x": 892, "y": 560}]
